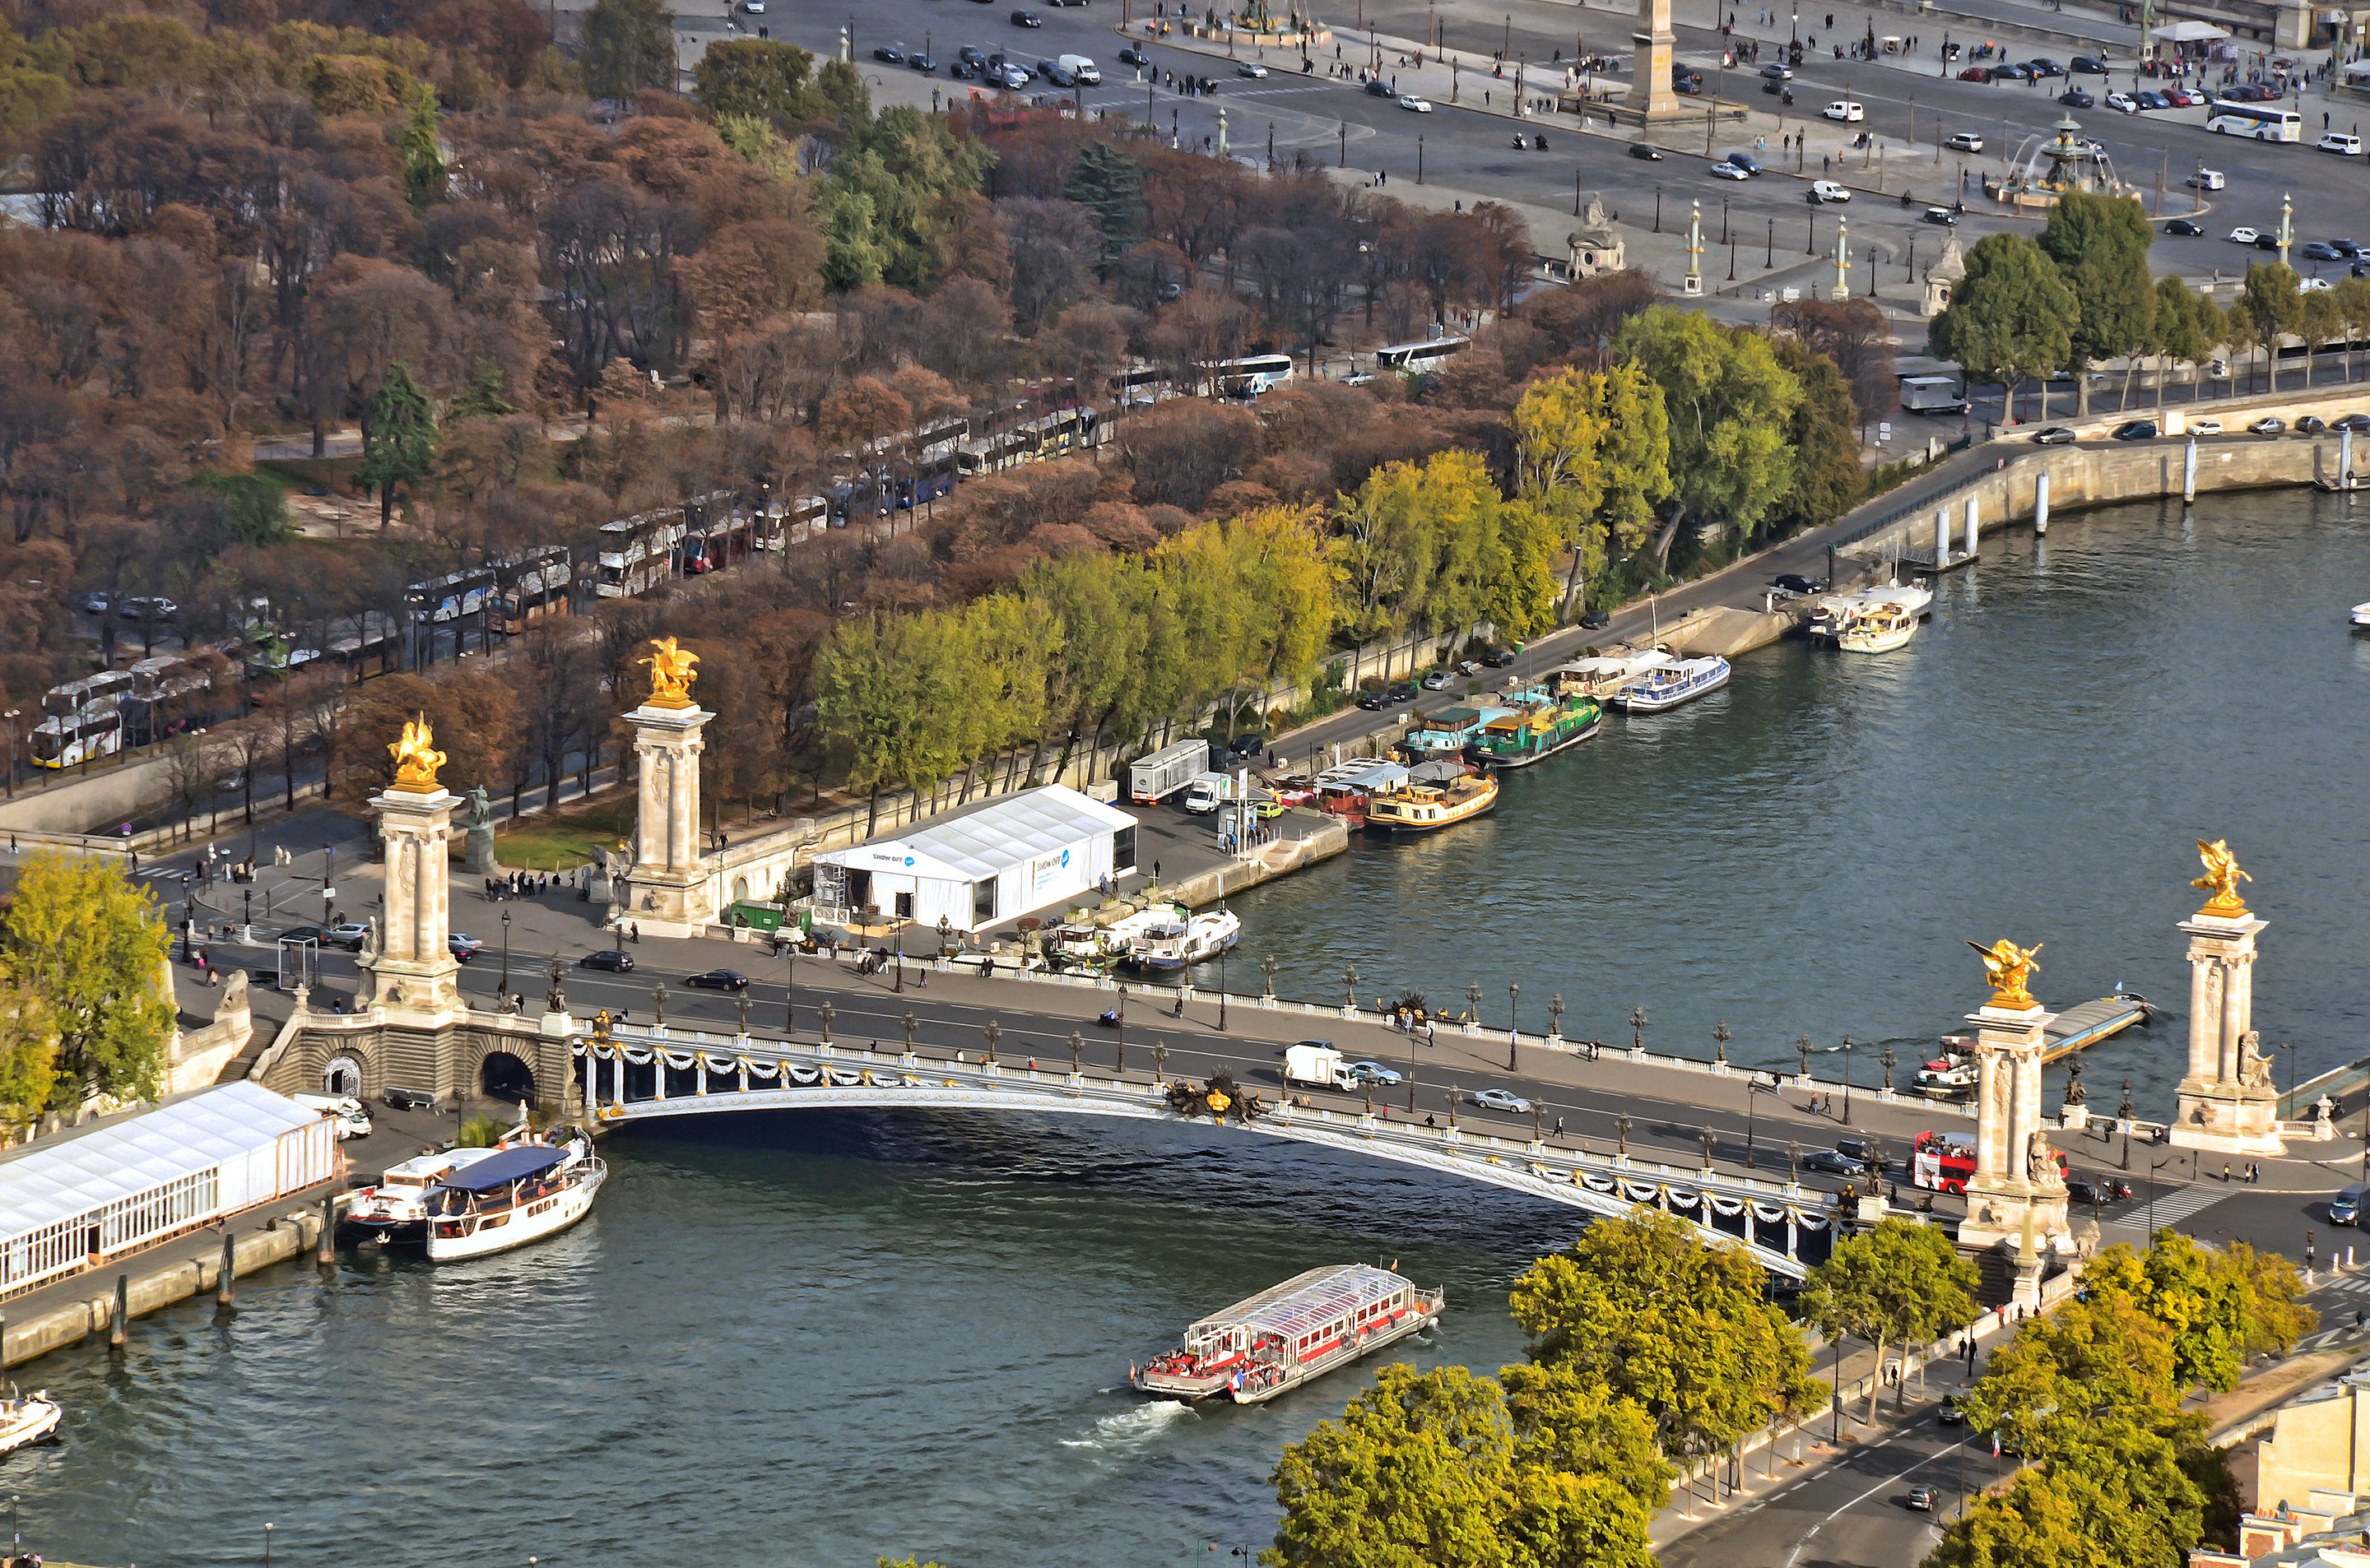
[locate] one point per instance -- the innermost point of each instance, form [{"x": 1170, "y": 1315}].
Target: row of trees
[
  {"x": 2081, "y": 295},
  {"x": 84, "y": 1007},
  {"x": 2091, "y": 1395}
]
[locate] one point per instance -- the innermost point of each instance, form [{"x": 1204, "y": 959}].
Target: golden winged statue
[
  {"x": 2221, "y": 879},
  {"x": 416, "y": 762},
  {"x": 670, "y": 674},
  {"x": 2007, "y": 967}
]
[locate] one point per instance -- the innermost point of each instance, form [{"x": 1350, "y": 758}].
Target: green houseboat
[{"x": 1516, "y": 740}]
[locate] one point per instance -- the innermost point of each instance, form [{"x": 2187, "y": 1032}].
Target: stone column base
[
  {"x": 2232, "y": 1120},
  {"x": 416, "y": 994},
  {"x": 1998, "y": 1219},
  {"x": 680, "y": 908}
]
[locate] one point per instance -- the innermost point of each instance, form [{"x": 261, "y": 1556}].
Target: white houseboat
[
  {"x": 1283, "y": 1336},
  {"x": 1666, "y": 687},
  {"x": 395, "y": 1207},
  {"x": 1176, "y": 944},
  {"x": 515, "y": 1197}
]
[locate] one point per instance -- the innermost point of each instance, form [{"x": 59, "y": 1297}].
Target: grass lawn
[{"x": 549, "y": 842}]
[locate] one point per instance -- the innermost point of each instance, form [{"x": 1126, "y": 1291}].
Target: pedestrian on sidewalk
[{"x": 634, "y": 931}]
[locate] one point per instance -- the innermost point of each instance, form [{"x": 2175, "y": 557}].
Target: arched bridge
[{"x": 631, "y": 1075}]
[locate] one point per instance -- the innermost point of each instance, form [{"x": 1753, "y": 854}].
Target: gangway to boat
[{"x": 2092, "y": 1022}]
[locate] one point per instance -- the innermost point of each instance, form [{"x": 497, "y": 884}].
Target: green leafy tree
[
  {"x": 2101, "y": 246},
  {"x": 1417, "y": 1474},
  {"x": 88, "y": 947},
  {"x": 2178, "y": 329},
  {"x": 32, "y": 88},
  {"x": 423, "y": 155},
  {"x": 1828, "y": 478},
  {"x": 2011, "y": 319},
  {"x": 29, "y": 1053},
  {"x": 2033, "y": 1524},
  {"x": 628, "y": 45},
  {"x": 1643, "y": 1308},
  {"x": 1562, "y": 1520},
  {"x": 1894, "y": 1282},
  {"x": 485, "y": 396},
  {"x": 886, "y": 204},
  {"x": 2221, "y": 1306},
  {"x": 1730, "y": 404},
  {"x": 2272, "y": 308},
  {"x": 1592, "y": 452},
  {"x": 1563, "y": 1422},
  {"x": 256, "y": 504},
  {"x": 763, "y": 77},
  {"x": 399, "y": 442},
  {"x": 1112, "y": 184},
  {"x": 2352, "y": 297}
]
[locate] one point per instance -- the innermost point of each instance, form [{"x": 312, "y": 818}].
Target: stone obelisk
[
  {"x": 2226, "y": 1100},
  {"x": 1654, "y": 44},
  {"x": 668, "y": 891},
  {"x": 411, "y": 976},
  {"x": 2017, "y": 1191}
]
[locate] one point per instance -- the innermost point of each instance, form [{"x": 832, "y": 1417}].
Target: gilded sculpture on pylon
[
  {"x": 2007, "y": 967},
  {"x": 2221, "y": 879},
  {"x": 416, "y": 760},
  {"x": 670, "y": 674}
]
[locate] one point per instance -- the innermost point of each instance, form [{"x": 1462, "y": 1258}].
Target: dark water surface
[{"x": 809, "y": 1340}]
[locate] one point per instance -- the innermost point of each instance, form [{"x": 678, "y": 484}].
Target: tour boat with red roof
[{"x": 1285, "y": 1335}]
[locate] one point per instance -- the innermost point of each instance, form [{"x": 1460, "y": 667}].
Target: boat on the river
[
  {"x": 1601, "y": 675},
  {"x": 395, "y": 1207},
  {"x": 1344, "y": 789},
  {"x": 1415, "y": 808},
  {"x": 1177, "y": 944},
  {"x": 1082, "y": 945},
  {"x": 28, "y": 1419},
  {"x": 1831, "y": 613},
  {"x": 1520, "y": 740},
  {"x": 1662, "y": 689},
  {"x": 1448, "y": 732},
  {"x": 516, "y": 1196},
  {"x": 1877, "y": 630},
  {"x": 2362, "y": 615},
  {"x": 1285, "y": 1335}
]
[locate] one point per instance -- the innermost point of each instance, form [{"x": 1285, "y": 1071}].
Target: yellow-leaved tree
[{"x": 87, "y": 945}]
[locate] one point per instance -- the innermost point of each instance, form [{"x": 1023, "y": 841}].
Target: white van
[
  {"x": 1208, "y": 792},
  {"x": 2341, "y": 143},
  {"x": 352, "y": 1121},
  {"x": 1845, "y": 112},
  {"x": 2208, "y": 180},
  {"x": 1088, "y": 73}
]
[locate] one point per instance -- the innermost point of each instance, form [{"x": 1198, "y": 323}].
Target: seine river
[{"x": 808, "y": 1341}]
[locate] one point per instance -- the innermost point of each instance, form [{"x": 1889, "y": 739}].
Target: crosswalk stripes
[
  {"x": 2166, "y": 1211},
  {"x": 2351, "y": 1284}
]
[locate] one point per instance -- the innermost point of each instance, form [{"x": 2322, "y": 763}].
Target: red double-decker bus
[{"x": 1945, "y": 1161}]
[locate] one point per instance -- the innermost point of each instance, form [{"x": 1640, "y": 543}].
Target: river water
[{"x": 809, "y": 1340}]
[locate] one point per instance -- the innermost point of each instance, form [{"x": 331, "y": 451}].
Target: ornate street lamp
[
  {"x": 742, "y": 1001},
  {"x": 1077, "y": 1053},
  {"x": 827, "y": 1012},
  {"x": 1848, "y": 1051},
  {"x": 1621, "y": 1131},
  {"x": 1350, "y": 986},
  {"x": 790, "y": 996},
  {"x": 909, "y": 1021},
  {"x": 1554, "y": 1011},
  {"x": 1160, "y": 1060},
  {"x": 1473, "y": 1002},
  {"x": 1720, "y": 1039},
  {"x": 1708, "y": 1147},
  {"x": 1269, "y": 966},
  {"x": 1886, "y": 1060},
  {"x": 658, "y": 1003},
  {"x": 1802, "y": 1046},
  {"x": 1514, "y": 1021},
  {"x": 994, "y": 1031},
  {"x": 505, "y": 986},
  {"x": 1638, "y": 1022}
]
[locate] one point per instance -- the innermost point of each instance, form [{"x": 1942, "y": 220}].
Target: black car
[
  {"x": 1833, "y": 1162},
  {"x": 2346, "y": 248},
  {"x": 1795, "y": 582},
  {"x": 1378, "y": 88},
  {"x": 1373, "y": 702},
  {"x": 1498, "y": 658},
  {"x": 2012, "y": 74},
  {"x": 1639, "y": 150},
  {"x": 1131, "y": 56},
  {"x": 2075, "y": 98},
  {"x": 1953, "y": 1412},
  {"x": 961, "y": 70},
  {"x": 306, "y": 934},
  {"x": 616, "y": 960},
  {"x": 2136, "y": 431},
  {"x": 2087, "y": 65},
  {"x": 2358, "y": 423},
  {"x": 889, "y": 53},
  {"x": 2185, "y": 227},
  {"x": 2320, "y": 250},
  {"x": 921, "y": 62},
  {"x": 1246, "y": 745},
  {"x": 1405, "y": 691},
  {"x": 718, "y": 980},
  {"x": 1027, "y": 20},
  {"x": 2082, "y": 1189},
  {"x": 2044, "y": 66},
  {"x": 972, "y": 54},
  {"x": 2267, "y": 241},
  {"x": 2311, "y": 425}
]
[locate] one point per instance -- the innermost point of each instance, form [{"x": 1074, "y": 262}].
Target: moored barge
[{"x": 1289, "y": 1333}]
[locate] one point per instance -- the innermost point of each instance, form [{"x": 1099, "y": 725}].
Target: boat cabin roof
[
  {"x": 503, "y": 1167},
  {"x": 1306, "y": 1301},
  {"x": 1373, "y": 774}
]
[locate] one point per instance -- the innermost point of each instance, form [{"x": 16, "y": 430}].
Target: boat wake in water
[{"x": 1134, "y": 1428}]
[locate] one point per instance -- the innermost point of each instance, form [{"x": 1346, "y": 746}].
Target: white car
[
  {"x": 1252, "y": 68},
  {"x": 2343, "y": 145},
  {"x": 1439, "y": 681},
  {"x": 1965, "y": 141},
  {"x": 2122, "y": 103},
  {"x": 2208, "y": 180},
  {"x": 2242, "y": 234},
  {"x": 1822, "y": 191},
  {"x": 1373, "y": 1072},
  {"x": 1843, "y": 111},
  {"x": 1500, "y": 1100},
  {"x": 1419, "y": 105},
  {"x": 2308, "y": 286},
  {"x": 1727, "y": 171},
  {"x": 753, "y": 7},
  {"x": 2204, "y": 427}
]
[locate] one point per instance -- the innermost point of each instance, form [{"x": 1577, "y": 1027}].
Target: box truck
[
  {"x": 1152, "y": 779},
  {"x": 1317, "y": 1064},
  {"x": 1932, "y": 395}
]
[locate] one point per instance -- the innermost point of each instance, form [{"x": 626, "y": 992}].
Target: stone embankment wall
[{"x": 2096, "y": 476}]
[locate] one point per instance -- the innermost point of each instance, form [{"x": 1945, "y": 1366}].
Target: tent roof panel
[
  {"x": 52, "y": 1181},
  {"x": 973, "y": 845}
]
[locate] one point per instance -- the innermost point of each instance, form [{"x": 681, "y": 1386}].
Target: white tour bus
[
  {"x": 2264, "y": 122},
  {"x": 1248, "y": 376},
  {"x": 1415, "y": 358}
]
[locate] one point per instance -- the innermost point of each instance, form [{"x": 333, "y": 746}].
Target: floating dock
[{"x": 2092, "y": 1022}]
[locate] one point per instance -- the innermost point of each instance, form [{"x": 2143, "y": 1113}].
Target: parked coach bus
[
  {"x": 2264, "y": 122},
  {"x": 1248, "y": 376},
  {"x": 1416, "y": 358}
]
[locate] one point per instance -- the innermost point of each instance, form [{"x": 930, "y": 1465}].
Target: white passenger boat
[
  {"x": 1283, "y": 1336},
  {"x": 1667, "y": 687},
  {"x": 27, "y": 1420},
  {"x": 515, "y": 1197},
  {"x": 1084, "y": 945},
  {"x": 2362, "y": 615},
  {"x": 1880, "y": 629},
  {"x": 1831, "y": 613},
  {"x": 395, "y": 1207},
  {"x": 1177, "y": 944}
]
